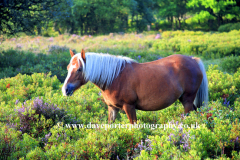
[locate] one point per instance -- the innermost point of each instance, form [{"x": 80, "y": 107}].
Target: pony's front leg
[
  {"x": 112, "y": 113},
  {"x": 131, "y": 113}
]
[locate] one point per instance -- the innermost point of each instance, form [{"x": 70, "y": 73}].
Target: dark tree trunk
[
  {"x": 179, "y": 21},
  {"x": 137, "y": 24},
  {"x": 132, "y": 20},
  {"x": 210, "y": 24},
  {"x": 172, "y": 24},
  {"x": 81, "y": 29},
  {"x": 39, "y": 30},
  {"x": 126, "y": 22},
  {"x": 176, "y": 21},
  {"x": 72, "y": 28},
  {"x": 85, "y": 29}
]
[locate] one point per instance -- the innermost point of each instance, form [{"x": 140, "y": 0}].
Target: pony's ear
[
  {"x": 83, "y": 54},
  {"x": 71, "y": 53}
]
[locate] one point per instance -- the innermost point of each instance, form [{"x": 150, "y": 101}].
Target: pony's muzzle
[{"x": 68, "y": 90}]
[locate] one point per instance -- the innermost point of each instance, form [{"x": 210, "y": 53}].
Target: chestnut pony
[{"x": 128, "y": 85}]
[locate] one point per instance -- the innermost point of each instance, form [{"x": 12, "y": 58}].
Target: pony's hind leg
[
  {"x": 112, "y": 113},
  {"x": 187, "y": 101}
]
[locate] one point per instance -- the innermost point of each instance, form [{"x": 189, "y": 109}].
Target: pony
[{"x": 128, "y": 85}]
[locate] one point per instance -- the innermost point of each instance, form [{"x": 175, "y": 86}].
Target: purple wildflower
[
  {"x": 144, "y": 145},
  {"x": 21, "y": 110},
  {"x": 170, "y": 136},
  {"x": 176, "y": 122},
  {"x": 149, "y": 146},
  {"x": 48, "y": 135},
  {"x": 51, "y": 39},
  {"x": 227, "y": 103},
  {"x": 118, "y": 158},
  {"x": 189, "y": 40},
  {"x": 158, "y": 36},
  {"x": 18, "y": 46},
  {"x": 37, "y": 40},
  {"x": 17, "y": 101},
  {"x": 139, "y": 57},
  {"x": 183, "y": 116},
  {"x": 180, "y": 128}
]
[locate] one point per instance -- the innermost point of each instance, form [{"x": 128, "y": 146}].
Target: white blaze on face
[
  {"x": 66, "y": 80},
  {"x": 71, "y": 69}
]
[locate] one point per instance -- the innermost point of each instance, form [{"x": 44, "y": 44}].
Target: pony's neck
[
  {"x": 102, "y": 69},
  {"x": 103, "y": 88}
]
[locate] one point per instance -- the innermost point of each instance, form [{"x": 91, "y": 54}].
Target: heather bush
[
  {"x": 55, "y": 49},
  {"x": 37, "y": 117}
]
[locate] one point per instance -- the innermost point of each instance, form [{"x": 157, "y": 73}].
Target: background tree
[
  {"x": 173, "y": 10},
  {"x": 217, "y": 10},
  {"x": 141, "y": 12},
  {"x": 25, "y": 15},
  {"x": 105, "y": 16}
]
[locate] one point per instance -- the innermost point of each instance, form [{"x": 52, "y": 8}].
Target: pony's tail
[{"x": 201, "y": 98}]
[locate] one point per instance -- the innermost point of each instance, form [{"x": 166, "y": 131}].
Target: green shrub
[
  {"x": 231, "y": 64},
  {"x": 222, "y": 86},
  {"x": 199, "y": 43},
  {"x": 90, "y": 144},
  {"x": 225, "y": 27},
  {"x": 37, "y": 153},
  {"x": 229, "y": 27},
  {"x": 13, "y": 62},
  {"x": 8, "y": 140},
  {"x": 235, "y": 26}
]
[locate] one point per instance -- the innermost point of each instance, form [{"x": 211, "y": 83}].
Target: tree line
[{"x": 105, "y": 16}]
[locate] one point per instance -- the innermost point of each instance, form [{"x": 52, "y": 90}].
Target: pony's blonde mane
[{"x": 102, "y": 69}]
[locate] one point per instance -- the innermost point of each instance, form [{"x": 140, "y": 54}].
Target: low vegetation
[{"x": 37, "y": 122}]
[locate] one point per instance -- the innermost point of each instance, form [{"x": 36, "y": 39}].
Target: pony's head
[{"x": 75, "y": 78}]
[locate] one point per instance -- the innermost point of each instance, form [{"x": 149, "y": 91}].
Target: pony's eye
[{"x": 79, "y": 69}]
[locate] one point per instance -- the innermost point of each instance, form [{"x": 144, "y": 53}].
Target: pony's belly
[{"x": 153, "y": 106}]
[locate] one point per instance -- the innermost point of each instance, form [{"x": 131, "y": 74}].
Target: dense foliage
[
  {"x": 207, "y": 45},
  {"x": 14, "y": 62},
  {"x": 229, "y": 27},
  {"x": 37, "y": 122},
  {"x": 28, "y": 15},
  {"x": 231, "y": 64},
  {"x": 105, "y": 16}
]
